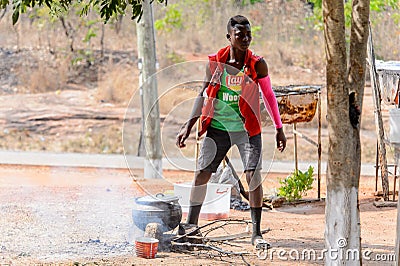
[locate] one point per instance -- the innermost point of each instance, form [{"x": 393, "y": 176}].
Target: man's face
[{"x": 240, "y": 37}]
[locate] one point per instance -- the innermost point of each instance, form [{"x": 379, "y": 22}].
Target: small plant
[{"x": 296, "y": 185}]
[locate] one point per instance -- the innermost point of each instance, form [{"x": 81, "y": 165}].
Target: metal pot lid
[{"x": 157, "y": 198}]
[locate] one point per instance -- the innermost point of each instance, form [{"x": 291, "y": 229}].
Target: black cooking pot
[{"x": 161, "y": 209}]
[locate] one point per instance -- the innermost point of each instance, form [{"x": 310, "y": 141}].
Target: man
[{"x": 231, "y": 116}]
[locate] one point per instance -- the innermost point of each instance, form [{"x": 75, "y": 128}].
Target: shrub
[{"x": 296, "y": 185}]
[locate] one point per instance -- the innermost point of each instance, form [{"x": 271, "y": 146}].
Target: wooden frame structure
[
  {"x": 311, "y": 141},
  {"x": 382, "y": 77}
]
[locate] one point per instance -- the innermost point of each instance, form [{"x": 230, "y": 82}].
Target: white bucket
[
  {"x": 394, "y": 121},
  {"x": 216, "y": 204}
]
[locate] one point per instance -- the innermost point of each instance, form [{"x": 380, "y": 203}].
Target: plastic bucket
[
  {"x": 394, "y": 120},
  {"x": 146, "y": 247},
  {"x": 216, "y": 203}
]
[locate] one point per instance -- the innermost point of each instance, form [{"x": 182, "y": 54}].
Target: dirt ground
[{"x": 82, "y": 216}]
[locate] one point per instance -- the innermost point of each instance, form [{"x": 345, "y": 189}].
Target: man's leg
[
  {"x": 250, "y": 151},
  {"x": 197, "y": 196},
  {"x": 213, "y": 150},
  {"x": 256, "y": 199},
  {"x": 254, "y": 181}
]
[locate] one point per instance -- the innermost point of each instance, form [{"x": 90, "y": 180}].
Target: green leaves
[
  {"x": 247, "y": 2},
  {"x": 137, "y": 10},
  {"x": 296, "y": 185},
  {"x": 381, "y": 5},
  {"x": 89, "y": 35},
  {"x": 375, "y": 6},
  {"x": 3, "y": 3},
  {"x": 21, "y": 6},
  {"x": 172, "y": 19},
  {"x": 108, "y": 8}
]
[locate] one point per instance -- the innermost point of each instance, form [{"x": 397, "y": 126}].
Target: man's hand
[
  {"x": 280, "y": 139},
  {"x": 182, "y": 136}
]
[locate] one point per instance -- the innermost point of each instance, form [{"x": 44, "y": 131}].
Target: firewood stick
[{"x": 243, "y": 192}]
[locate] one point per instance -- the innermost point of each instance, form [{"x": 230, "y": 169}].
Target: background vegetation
[{"x": 42, "y": 53}]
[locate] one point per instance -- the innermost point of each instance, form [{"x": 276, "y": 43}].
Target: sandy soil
[{"x": 82, "y": 216}]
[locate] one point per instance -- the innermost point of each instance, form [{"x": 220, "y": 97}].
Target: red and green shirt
[{"x": 249, "y": 104}]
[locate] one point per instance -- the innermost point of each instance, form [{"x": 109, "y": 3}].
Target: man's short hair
[{"x": 238, "y": 19}]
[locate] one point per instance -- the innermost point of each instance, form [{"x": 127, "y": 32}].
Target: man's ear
[{"x": 228, "y": 36}]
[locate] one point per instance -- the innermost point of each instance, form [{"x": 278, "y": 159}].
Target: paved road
[{"x": 119, "y": 161}]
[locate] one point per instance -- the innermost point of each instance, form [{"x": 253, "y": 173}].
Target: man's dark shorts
[{"x": 217, "y": 143}]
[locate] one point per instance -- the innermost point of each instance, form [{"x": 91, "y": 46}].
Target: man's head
[
  {"x": 236, "y": 20},
  {"x": 239, "y": 32}
]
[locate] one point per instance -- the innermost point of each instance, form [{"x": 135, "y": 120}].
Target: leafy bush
[
  {"x": 296, "y": 185},
  {"x": 172, "y": 20}
]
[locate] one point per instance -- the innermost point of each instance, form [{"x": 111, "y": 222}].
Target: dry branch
[
  {"x": 234, "y": 236},
  {"x": 226, "y": 221}
]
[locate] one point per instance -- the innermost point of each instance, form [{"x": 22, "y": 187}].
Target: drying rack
[
  {"x": 299, "y": 104},
  {"x": 388, "y": 79}
]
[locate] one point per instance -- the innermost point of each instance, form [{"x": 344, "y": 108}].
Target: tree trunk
[
  {"x": 342, "y": 227},
  {"x": 151, "y": 113},
  {"x": 103, "y": 32},
  {"x": 356, "y": 80}
]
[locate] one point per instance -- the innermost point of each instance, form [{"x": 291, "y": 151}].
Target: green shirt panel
[{"x": 227, "y": 115}]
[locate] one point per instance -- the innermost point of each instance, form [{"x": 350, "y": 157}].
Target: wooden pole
[
  {"x": 151, "y": 112},
  {"x": 296, "y": 164},
  {"x": 397, "y": 247},
  {"x": 141, "y": 149},
  {"x": 376, "y": 166},
  {"x": 394, "y": 182},
  {"x": 378, "y": 118},
  {"x": 319, "y": 145}
]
